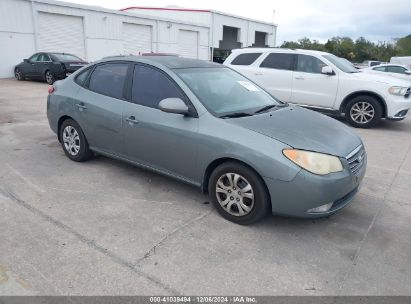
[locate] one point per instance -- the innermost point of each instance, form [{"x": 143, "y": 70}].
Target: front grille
[
  {"x": 407, "y": 94},
  {"x": 356, "y": 159}
]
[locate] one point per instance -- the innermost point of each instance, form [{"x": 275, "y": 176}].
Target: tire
[
  {"x": 49, "y": 77},
  {"x": 228, "y": 199},
  {"x": 363, "y": 112},
  {"x": 74, "y": 142},
  {"x": 18, "y": 74}
]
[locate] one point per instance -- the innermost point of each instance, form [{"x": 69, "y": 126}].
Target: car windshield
[
  {"x": 67, "y": 57},
  {"x": 341, "y": 64},
  {"x": 223, "y": 91}
]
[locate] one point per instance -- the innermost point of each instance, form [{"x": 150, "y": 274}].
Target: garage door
[
  {"x": 61, "y": 33},
  {"x": 188, "y": 44},
  {"x": 136, "y": 38}
]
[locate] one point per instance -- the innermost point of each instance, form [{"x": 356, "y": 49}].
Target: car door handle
[
  {"x": 258, "y": 74},
  {"x": 299, "y": 77},
  {"x": 132, "y": 120},
  {"x": 81, "y": 106}
]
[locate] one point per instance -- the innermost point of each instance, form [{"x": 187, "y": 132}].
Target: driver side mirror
[
  {"x": 174, "y": 105},
  {"x": 327, "y": 71}
]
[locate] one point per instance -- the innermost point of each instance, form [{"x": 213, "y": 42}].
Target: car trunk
[{"x": 72, "y": 66}]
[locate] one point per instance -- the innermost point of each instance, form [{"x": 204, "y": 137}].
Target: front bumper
[
  {"x": 307, "y": 191},
  {"x": 398, "y": 107}
]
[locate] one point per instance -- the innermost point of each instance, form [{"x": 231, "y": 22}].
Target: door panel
[
  {"x": 43, "y": 65},
  {"x": 275, "y": 74},
  {"x": 101, "y": 119},
  {"x": 310, "y": 86},
  {"x": 164, "y": 141},
  {"x": 99, "y": 107},
  {"x": 30, "y": 66}
]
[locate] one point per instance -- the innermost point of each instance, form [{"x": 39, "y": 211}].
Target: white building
[
  {"x": 227, "y": 31},
  {"x": 29, "y": 26}
]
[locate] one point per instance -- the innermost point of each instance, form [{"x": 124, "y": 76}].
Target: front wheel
[
  {"x": 74, "y": 142},
  {"x": 18, "y": 74},
  {"x": 363, "y": 112},
  {"x": 238, "y": 193},
  {"x": 49, "y": 76}
]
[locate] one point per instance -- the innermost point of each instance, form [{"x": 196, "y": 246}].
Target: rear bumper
[
  {"x": 52, "y": 115},
  {"x": 307, "y": 191},
  {"x": 68, "y": 71}
]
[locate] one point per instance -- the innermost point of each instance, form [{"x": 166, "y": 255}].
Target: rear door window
[
  {"x": 395, "y": 69},
  {"x": 245, "y": 59},
  {"x": 279, "y": 61},
  {"x": 109, "y": 79}
]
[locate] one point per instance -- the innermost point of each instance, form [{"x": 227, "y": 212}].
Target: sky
[{"x": 376, "y": 20}]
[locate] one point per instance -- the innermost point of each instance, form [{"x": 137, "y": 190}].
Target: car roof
[
  {"x": 171, "y": 62},
  {"x": 278, "y": 50}
]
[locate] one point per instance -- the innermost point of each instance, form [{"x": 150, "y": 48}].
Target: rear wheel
[
  {"x": 74, "y": 142},
  {"x": 238, "y": 193},
  {"x": 363, "y": 112},
  {"x": 18, "y": 74},
  {"x": 49, "y": 76}
]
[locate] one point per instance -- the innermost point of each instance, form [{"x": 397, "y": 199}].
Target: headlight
[
  {"x": 314, "y": 162},
  {"x": 400, "y": 91}
]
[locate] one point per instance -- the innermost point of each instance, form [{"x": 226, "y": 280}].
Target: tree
[
  {"x": 404, "y": 46},
  {"x": 290, "y": 45},
  {"x": 358, "y": 50}
]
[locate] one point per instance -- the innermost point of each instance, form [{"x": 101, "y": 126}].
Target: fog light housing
[{"x": 320, "y": 209}]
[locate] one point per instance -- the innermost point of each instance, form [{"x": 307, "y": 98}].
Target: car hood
[
  {"x": 384, "y": 79},
  {"x": 303, "y": 129}
]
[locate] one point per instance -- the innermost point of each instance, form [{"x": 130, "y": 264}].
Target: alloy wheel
[
  {"x": 235, "y": 194},
  {"x": 71, "y": 140},
  {"x": 362, "y": 112},
  {"x": 17, "y": 74},
  {"x": 49, "y": 78}
]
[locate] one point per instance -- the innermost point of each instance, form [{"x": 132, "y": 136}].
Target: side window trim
[
  {"x": 130, "y": 81},
  {"x": 87, "y": 82}
]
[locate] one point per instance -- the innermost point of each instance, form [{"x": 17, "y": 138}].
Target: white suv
[{"x": 325, "y": 82}]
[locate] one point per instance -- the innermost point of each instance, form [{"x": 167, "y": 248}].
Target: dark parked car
[
  {"x": 209, "y": 126},
  {"x": 48, "y": 66}
]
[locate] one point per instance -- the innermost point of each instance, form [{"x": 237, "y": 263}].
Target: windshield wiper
[
  {"x": 236, "y": 114},
  {"x": 263, "y": 109}
]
